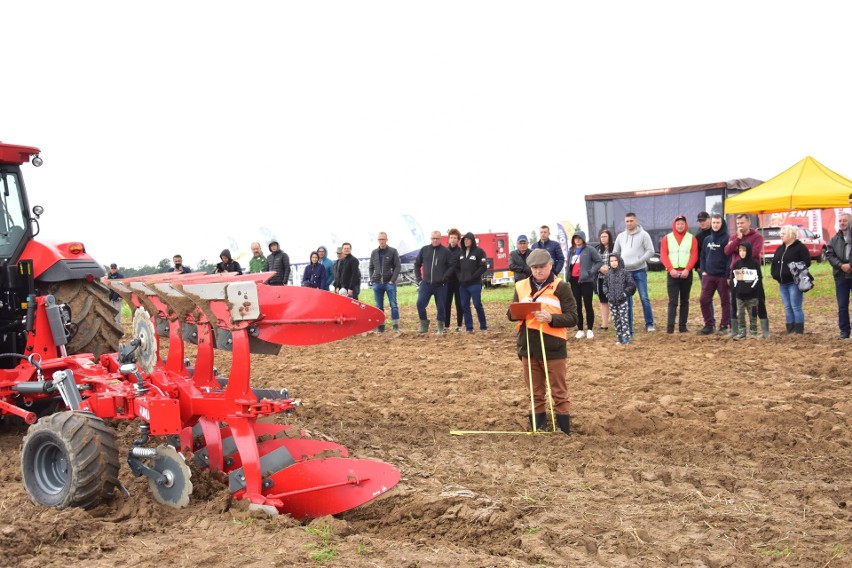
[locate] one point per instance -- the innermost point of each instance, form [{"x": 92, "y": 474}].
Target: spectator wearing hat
[
  {"x": 745, "y": 234},
  {"x": 114, "y": 298},
  {"x": 583, "y": 265},
  {"x": 518, "y": 259},
  {"x": 453, "y": 288},
  {"x": 679, "y": 254},
  {"x": 279, "y": 263},
  {"x": 547, "y": 327},
  {"x": 552, "y": 247}
]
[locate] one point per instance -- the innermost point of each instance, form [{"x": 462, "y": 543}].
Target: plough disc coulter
[{"x": 202, "y": 416}]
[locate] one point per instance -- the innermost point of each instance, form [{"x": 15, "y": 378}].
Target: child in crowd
[
  {"x": 747, "y": 282},
  {"x": 619, "y": 285}
]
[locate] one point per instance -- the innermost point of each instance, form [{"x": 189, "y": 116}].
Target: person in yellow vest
[
  {"x": 550, "y": 327},
  {"x": 679, "y": 253}
]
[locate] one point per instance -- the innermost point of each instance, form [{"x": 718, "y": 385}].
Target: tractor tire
[
  {"x": 92, "y": 314},
  {"x": 70, "y": 459}
]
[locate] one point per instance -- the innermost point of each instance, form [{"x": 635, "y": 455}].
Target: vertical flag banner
[{"x": 564, "y": 232}]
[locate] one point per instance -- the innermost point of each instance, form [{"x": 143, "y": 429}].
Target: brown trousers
[{"x": 557, "y": 369}]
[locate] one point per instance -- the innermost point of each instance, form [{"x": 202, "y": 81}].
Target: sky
[{"x": 188, "y": 127}]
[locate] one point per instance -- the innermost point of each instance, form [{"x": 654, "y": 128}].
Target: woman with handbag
[{"x": 791, "y": 251}]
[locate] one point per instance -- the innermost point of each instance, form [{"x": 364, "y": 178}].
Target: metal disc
[
  {"x": 178, "y": 487},
  {"x": 143, "y": 330}
]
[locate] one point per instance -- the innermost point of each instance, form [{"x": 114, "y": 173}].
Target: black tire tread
[
  {"x": 92, "y": 313},
  {"x": 92, "y": 453}
]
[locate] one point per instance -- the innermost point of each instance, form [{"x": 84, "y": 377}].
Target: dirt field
[{"x": 686, "y": 451}]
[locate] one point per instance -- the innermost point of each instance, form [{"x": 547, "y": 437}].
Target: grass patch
[
  {"x": 321, "y": 551},
  {"x": 778, "y": 552},
  {"x": 532, "y": 531}
]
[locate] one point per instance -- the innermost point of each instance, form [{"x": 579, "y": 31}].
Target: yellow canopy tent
[{"x": 807, "y": 185}]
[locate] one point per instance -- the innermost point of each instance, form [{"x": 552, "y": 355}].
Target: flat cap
[{"x": 538, "y": 257}]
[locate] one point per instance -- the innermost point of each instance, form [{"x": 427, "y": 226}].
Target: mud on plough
[{"x": 70, "y": 458}]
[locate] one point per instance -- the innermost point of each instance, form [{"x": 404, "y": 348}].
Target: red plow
[{"x": 70, "y": 458}]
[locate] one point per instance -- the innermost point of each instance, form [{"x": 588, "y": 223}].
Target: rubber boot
[
  {"x": 789, "y": 328},
  {"x": 424, "y": 326},
  {"x": 752, "y": 327},
  {"x": 764, "y": 327},
  {"x": 381, "y": 328},
  {"x": 440, "y": 328},
  {"x": 563, "y": 422},
  {"x": 735, "y": 327},
  {"x": 396, "y": 326},
  {"x": 540, "y": 422},
  {"x": 799, "y": 328}
]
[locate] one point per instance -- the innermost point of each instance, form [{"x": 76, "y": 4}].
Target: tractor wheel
[
  {"x": 70, "y": 459},
  {"x": 92, "y": 314}
]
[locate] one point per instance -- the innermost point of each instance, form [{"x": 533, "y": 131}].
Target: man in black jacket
[
  {"x": 453, "y": 291},
  {"x": 518, "y": 259},
  {"x": 839, "y": 255},
  {"x": 472, "y": 265},
  {"x": 384, "y": 271},
  {"x": 432, "y": 267},
  {"x": 349, "y": 269},
  {"x": 279, "y": 263}
]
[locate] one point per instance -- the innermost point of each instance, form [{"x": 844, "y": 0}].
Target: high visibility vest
[
  {"x": 549, "y": 303},
  {"x": 679, "y": 253}
]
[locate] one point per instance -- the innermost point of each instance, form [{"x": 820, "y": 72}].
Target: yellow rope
[
  {"x": 525, "y": 433},
  {"x": 546, "y": 378}
]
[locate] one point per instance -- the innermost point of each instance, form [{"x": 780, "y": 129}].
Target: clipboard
[{"x": 520, "y": 310}]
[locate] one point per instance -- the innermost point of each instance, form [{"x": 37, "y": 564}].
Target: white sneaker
[
  {"x": 590, "y": 334},
  {"x": 580, "y": 334}
]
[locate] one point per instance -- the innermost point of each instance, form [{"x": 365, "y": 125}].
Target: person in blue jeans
[
  {"x": 635, "y": 247},
  {"x": 791, "y": 250},
  {"x": 384, "y": 272},
  {"x": 472, "y": 264},
  {"x": 432, "y": 267}
]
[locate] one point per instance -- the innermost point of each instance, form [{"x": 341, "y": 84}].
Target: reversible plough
[{"x": 70, "y": 456}]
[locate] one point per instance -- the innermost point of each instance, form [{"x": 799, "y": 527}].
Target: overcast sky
[{"x": 180, "y": 126}]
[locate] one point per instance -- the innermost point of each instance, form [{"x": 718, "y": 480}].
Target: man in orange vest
[
  {"x": 679, "y": 253},
  {"x": 549, "y": 326}
]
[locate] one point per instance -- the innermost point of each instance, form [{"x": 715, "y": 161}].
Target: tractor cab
[{"x": 15, "y": 226}]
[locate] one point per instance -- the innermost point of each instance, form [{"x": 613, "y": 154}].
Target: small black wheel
[{"x": 70, "y": 459}]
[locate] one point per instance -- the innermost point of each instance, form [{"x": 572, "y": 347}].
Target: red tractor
[{"x": 61, "y": 373}]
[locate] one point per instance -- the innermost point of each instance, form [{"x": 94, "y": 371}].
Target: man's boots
[
  {"x": 790, "y": 328},
  {"x": 440, "y": 328},
  {"x": 752, "y": 327},
  {"x": 799, "y": 328},
  {"x": 381, "y": 328},
  {"x": 540, "y": 424},
  {"x": 764, "y": 327},
  {"x": 563, "y": 422},
  {"x": 424, "y": 326},
  {"x": 396, "y": 326}
]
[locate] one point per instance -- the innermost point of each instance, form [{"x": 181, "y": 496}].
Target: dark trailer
[{"x": 657, "y": 208}]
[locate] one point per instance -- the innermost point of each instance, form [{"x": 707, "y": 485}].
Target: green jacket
[{"x": 257, "y": 264}]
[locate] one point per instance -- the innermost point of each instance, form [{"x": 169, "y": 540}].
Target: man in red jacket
[{"x": 679, "y": 253}]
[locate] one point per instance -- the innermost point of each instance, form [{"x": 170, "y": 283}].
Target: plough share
[{"x": 70, "y": 455}]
